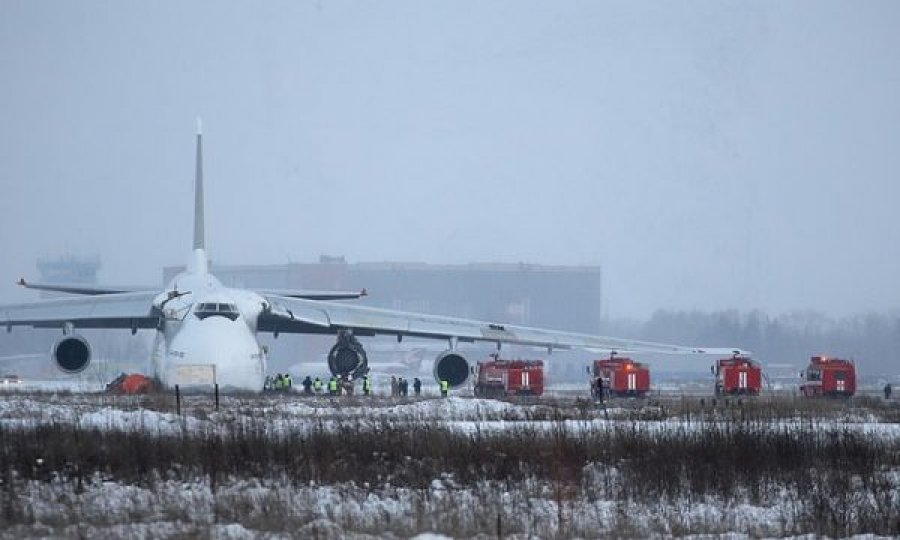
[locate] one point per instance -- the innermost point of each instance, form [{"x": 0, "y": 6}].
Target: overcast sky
[{"x": 708, "y": 154}]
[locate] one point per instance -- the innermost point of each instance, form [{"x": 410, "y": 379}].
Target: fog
[{"x": 709, "y": 155}]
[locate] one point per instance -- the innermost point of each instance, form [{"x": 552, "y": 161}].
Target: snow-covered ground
[
  {"x": 466, "y": 414},
  {"x": 278, "y": 510},
  {"x": 102, "y": 506}
]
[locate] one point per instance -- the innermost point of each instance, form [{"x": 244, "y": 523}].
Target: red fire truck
[
  {"x": 829, "y": 377},
  {"x": 738, "y": 375},
  {"x": 504, "y": 378},
  {"x": 621, "y": 377}
]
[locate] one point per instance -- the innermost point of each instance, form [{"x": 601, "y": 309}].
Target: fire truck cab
[
  {"x": 825, "y": 376},
  {"x": 506, "y": 378},
  {"x": 620, "y": 376},
  {"x": 738, "y": 375}
]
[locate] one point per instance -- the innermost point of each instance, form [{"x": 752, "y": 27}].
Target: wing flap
[
  {"x": 129, "y": 310},
  {"x": 304, "y": 316}
]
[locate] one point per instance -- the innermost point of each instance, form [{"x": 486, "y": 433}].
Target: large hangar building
[{"x": 558, "y": 297}]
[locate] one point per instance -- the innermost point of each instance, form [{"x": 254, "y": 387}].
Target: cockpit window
[{"x": 210, "y": 309}]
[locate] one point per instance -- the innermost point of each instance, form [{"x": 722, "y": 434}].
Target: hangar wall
[{"x": 559, "y": 297}]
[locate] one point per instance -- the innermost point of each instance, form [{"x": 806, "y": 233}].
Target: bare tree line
[{"x": 871, "y": 339}]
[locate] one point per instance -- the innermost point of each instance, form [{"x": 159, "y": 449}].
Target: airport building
[{"x": 565, "y": 298}]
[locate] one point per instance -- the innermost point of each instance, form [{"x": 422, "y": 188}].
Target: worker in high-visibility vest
[
  {"x": 367, "y": 385},
  {"x": 445, "y": 386},
  {"x": 333, "y": 386},
  {"x": 317, "y": 385}
]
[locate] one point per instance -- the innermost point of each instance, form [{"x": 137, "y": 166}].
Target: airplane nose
[{"x": 215, "y": 351}]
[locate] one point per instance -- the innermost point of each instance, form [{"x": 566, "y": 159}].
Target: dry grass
[{"x": 840, "y": 480}]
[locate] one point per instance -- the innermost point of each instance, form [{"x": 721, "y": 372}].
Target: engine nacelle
[
  {"x": 348, "y": 357},
  {"x": 72, "y": 354},
  {"x": 451, "y": 366}
]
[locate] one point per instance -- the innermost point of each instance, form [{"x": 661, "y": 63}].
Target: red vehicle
[
  {"x": 504, "y": 378},
  {"x": 622, "y": 377},
  {"x": 134, "y": 383},
  {"x": 738, "y": 375},
  {"x": 829, "y": 377}
]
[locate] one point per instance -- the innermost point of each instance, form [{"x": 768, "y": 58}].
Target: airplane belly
[{"x": 215, "y": 350}]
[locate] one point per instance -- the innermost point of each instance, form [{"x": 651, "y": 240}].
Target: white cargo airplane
[{"x": 206, "y": 332}]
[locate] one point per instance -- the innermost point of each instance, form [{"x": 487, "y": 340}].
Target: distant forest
[{"x": 872, "y": 339}]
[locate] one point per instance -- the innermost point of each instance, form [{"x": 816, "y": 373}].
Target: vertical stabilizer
[{"x": 199, "y": 240}]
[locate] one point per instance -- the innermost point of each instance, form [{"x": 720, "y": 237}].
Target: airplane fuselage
[{"x": 208, "y": 333}]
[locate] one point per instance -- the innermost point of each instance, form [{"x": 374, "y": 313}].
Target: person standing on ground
[
  {"x": 367, "y": 385},
  {"x": 307, "y": 386},
  {"x": 417, "y": 387},
  {"x": 887, "y": 391},
  {"x": 445, "y": 387},
  {"x": 317, "y": 386},
  {"x": 332, "y": 386},
  {"x": 394, "y": 387}
]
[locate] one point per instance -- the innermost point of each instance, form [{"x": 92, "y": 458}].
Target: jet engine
[
  {"x": 72, "y": 354},
  {"x": 452, "y": 367},
  {"x": 348, "y": 357}
]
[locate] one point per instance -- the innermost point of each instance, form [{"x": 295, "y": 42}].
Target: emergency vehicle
[
  {"x": 505, "y": 378},
  {"x": 738, "y": 375},
  {"x": 621, "y": 376},
  {"x": 827, "y": 376}
]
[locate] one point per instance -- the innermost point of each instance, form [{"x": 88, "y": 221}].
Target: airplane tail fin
[
  {"x": 199, "y": 237},
  {"x": 199, "y": 263}
]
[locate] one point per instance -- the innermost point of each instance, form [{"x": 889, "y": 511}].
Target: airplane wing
[
  {"x": 293, "y": 315},
  {"x": 17, "y": 357},
  {"x": 124, "y": 310}
]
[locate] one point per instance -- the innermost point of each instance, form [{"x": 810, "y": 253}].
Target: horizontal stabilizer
[
  {"x": 78, "y": 288},
  {"x": 315, "y": 295}
]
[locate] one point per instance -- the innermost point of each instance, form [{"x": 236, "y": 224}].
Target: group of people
[
  {"x": 400, "y": 387},
  {"x": 281, "y": 382},
  {"x": 338, "y": 385}
]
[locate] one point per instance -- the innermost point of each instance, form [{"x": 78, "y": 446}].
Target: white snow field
[{"x": 98, "y": 466}]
